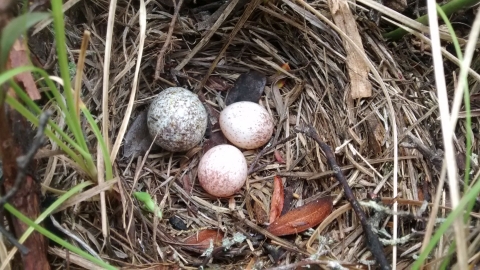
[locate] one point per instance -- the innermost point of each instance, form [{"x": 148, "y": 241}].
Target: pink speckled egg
[
  {"x": 246, "y": 124},
  {"x": 222, "y": 171}
]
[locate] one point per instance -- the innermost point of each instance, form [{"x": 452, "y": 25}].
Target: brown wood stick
[{"x": 372, "y": 242}]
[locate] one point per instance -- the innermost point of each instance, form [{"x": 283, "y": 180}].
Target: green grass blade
[
  {"x": 448, "y": 8},
  {"x": 30, "y": 117},
  {"x": 60, "y": 41},
  {"x": 101, "y": 141},
  {"x": 54, "y": 206},
  {"x": 14, "y": 29},
  {"x": 469, "y": 196},
  {"x": 9, "y": 74},
  {"x": 56, "y": 239}
]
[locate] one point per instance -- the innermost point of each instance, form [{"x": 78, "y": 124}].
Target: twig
[
  {"x": 306, "y": 263},
  {"x": 14, "y": 241},
  {"x": 161, "y": 54},
  {"x": 252, "y": 168},
  {"x": 435, "y": 157},
  {"x": 372, "y": 242}
]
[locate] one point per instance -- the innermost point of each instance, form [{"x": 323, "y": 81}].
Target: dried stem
[
  {"x": 252, "y": 168},
  {"x": 161, "y": 54}
]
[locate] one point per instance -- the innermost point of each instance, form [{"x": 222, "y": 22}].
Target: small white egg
[
  {"x": 177, "y": 118},
  {"x": 222, "y": 171},
  {"x": 246, "y": 124}
]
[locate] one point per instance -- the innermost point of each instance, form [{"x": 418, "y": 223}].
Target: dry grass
[{"x": 317, "y": 92}]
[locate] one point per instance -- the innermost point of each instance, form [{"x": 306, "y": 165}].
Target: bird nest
[{"x": 362, "y": 101}]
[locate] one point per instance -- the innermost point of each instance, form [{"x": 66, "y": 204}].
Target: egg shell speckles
[
  {"x": 222, "y": 171},
  {"x": 246, "y": 124},
  {"x": 178, "y": 117}
]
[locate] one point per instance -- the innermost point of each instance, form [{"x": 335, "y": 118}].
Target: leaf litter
[{"x": 315, "y": 89}]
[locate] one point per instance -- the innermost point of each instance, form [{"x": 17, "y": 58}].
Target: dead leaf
[
  {"x": 260, "y": 213},
  {"x": 138, "y": 140},
  {"x": 248, "y": 87},
  {"x": 276, "y": 204},
  {"x": 19, "y": 57},
  {"x": 302, "y": 218},
  {"x": 356, "y": 66},
  {"x": 202, "y": 238}
]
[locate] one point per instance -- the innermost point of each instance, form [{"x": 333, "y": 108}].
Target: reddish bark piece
[
  {"x": 19, "y": 57},
  {"x": 302, "y": 218},
  {"x": 202, "y": 239},
  {"x": 16, "y": 135},
  {"x": 278, "y": 157},
  {"x": 276, "y": 204}
]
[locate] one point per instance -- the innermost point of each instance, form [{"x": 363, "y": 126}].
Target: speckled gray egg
[
  {"x": 222, "y": 171},
  {"x": 246, "y": 124},
  {"x": 177, "y": 118}
]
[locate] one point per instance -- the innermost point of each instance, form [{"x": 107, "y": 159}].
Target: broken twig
[{"x": 372, "y": 241}]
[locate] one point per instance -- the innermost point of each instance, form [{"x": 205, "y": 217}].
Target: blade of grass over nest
[
  {"x": 33, "y": 106},
  {"x": 32, "y": 118},
  {"x": 447, "y": 132},
  {"x": 123, "y": 128},
  {"x": 448, "y": 55},
  {"x": 399, "y": 19},
  {"x": 57, "y": 239},
  {"x": 464, "y": 66},
  {"x": 462, "y": 86},
  {"x": 44, "y": 215},
  {"x": 448, "y": 8},
  {"x": 385, "y": 92},
  {"x": 473, "y": 36},
  {"x": 78, "y": 198},
  {"x": 80, "y": 106},
  {"x": 105, "y": 112},
  {"x": 434, "y": 211},
  {"x": 452, "y": 217},
  {"x": 60, "y": 38}
]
